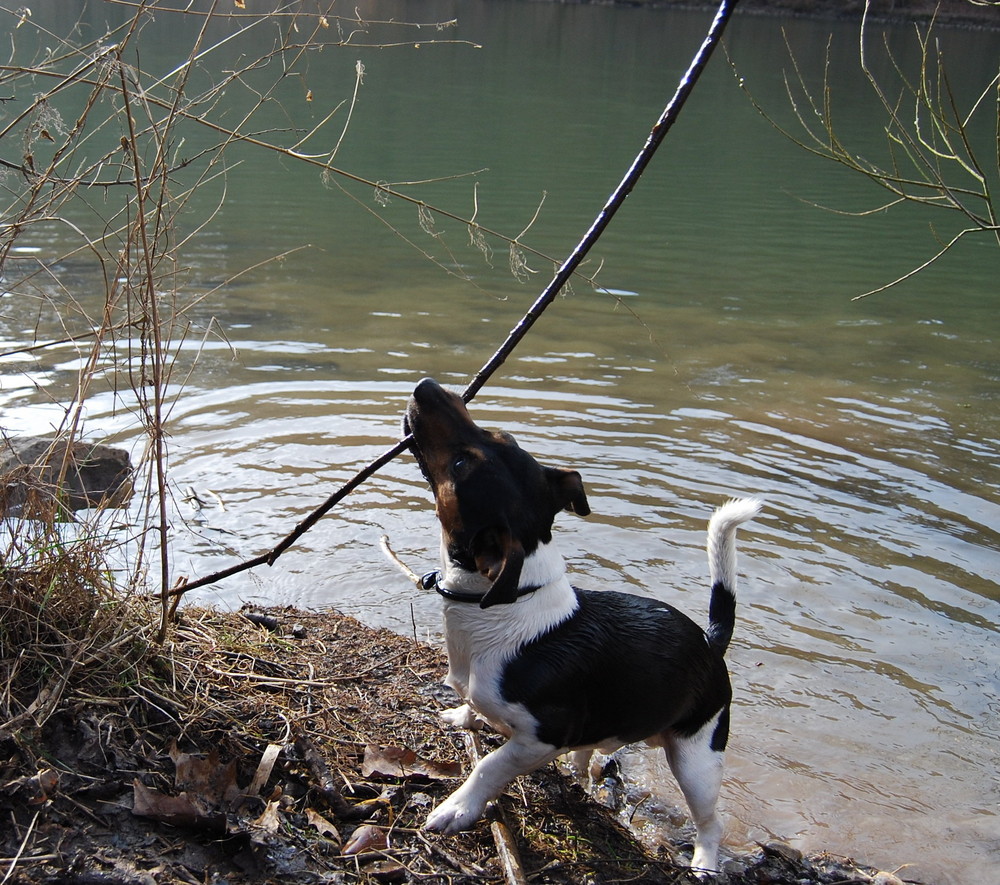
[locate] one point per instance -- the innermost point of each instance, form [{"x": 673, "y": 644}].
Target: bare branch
[{"x": 933, "y": 160}]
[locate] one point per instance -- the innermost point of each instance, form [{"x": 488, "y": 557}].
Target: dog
[{"x": 555, "y": 669}]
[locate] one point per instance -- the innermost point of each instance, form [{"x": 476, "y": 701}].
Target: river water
[{"x": 719, "y": 354}]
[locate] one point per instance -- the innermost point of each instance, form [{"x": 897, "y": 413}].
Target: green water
[{"x": 723, "y": 356}]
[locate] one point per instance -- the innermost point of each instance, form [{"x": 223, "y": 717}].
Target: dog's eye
[{"x": 458, "y": 463}]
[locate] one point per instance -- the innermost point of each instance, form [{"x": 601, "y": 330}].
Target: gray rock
[{"x": 95, "y": 475}]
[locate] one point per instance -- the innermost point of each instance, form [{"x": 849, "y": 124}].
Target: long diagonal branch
[{"x": 563, "y": 274}]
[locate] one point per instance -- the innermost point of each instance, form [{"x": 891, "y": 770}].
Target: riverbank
[
  {"x": 955, "y": 13},
  {"x": 303, "y": 747}
]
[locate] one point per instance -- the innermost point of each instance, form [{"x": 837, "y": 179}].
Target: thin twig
[
  {"x": 20, "y": 850},
  {"x": 562, "y": 276},
  {"x": 403, "y": 567}
]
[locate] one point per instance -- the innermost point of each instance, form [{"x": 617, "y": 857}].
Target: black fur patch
[
  {"x": 721, "y": 616},
  {"x": 620, "y": 667}
]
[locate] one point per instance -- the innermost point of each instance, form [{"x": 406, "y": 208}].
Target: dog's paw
[
  {"x": 705, "y": 865},
  {"x": 462, "y": 717},
  {"x": 452, "y": 816}
]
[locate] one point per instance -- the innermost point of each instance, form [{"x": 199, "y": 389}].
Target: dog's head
[{"x": 494, "y": 501}]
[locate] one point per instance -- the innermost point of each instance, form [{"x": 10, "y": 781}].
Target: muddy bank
[{"x": 301, "y": 747}]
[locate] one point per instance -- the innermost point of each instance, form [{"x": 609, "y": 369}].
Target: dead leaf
[
  {"x": 38, "y": 788},
  {"x": 240, "y": 4},
  {"x": 364, "y": 839},
  {"x": 205, "y": 776},
  {"x": 387, "y": 871},
  {"x": 404, "y": 763},
  {"x": 270, "y": 819},
  {"x": 322, "y": 825},
  {"x": 178, "y": 811}
]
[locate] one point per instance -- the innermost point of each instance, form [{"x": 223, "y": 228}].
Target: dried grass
[{"x": 65, "y": 626}]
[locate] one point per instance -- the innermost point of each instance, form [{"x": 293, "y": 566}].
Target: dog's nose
[{"x": 426, "y": 387}]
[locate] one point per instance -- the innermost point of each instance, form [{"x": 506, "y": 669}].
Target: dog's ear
[
  {"x": 500, "y": 557},
  {"x": 567, "y": 490}
]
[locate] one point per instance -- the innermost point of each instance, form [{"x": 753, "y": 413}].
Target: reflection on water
[{"x": 723, "y": 358}]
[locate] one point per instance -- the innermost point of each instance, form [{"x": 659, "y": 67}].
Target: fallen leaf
[
  {"x": 366, "y": 838},
  {"x": 387, "y": 871},
  {"x": 205, "y": 776},
  {"x": 401, "y": 762},
  {"x": 270, "y": 819},
  {"x": 37, "y": 788},
  {"x": 178, "y": 811},
  {"x": 322, "y": 825}
]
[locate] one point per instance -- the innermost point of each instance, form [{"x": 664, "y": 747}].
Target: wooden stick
[
  {"x": 503, "y": 836},
  {"x": 326, "y": 786},
  {"x": 614, "y": 202},
  {"x": 402, "y": 566},
  {"x": 565, "y": 271}
]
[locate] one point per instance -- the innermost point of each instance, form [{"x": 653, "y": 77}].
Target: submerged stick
[{"x": 562, "y": 276}]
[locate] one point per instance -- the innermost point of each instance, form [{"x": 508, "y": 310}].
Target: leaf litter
[{"x": 301, "y": 747}]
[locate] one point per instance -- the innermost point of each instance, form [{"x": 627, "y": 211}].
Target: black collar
[{"x": 432, "y": 581}]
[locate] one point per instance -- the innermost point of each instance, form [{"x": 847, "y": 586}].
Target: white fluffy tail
[{"x": 722, "y": 567}]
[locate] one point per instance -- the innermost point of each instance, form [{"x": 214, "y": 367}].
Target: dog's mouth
[
  {"x": 414, "y": 448},
  {"x": 494, "y": 501},
  {"x": 411, "y": 423}
]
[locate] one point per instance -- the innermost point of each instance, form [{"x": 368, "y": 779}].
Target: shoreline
[{"x": 303, "y": 746}]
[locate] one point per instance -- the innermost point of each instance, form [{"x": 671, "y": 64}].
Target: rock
[
  {"x": 95, "y": 475},
  {"x": 883, "y": 878},
  {"x": 783, "y": 851}
]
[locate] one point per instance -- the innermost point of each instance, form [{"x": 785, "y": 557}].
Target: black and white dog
[{"x": 553, "y": 668}]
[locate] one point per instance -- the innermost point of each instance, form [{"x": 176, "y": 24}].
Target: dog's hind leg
[
  {"x": 494, "y": 771},
  {"x": 579, "y": 761},
  {"x": 696, "y": 762}
]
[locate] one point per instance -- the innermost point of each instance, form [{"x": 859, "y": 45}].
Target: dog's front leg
[{"x": 493, "y": 772}]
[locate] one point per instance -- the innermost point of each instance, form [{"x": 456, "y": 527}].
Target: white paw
[
  {"x": 452, "y": 816},
  {"x": 705, "y": 864},
  {"x": 462, "y": 717}
]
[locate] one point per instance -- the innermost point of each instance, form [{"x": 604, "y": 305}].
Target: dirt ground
[{"x": 303, "y": 747}]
